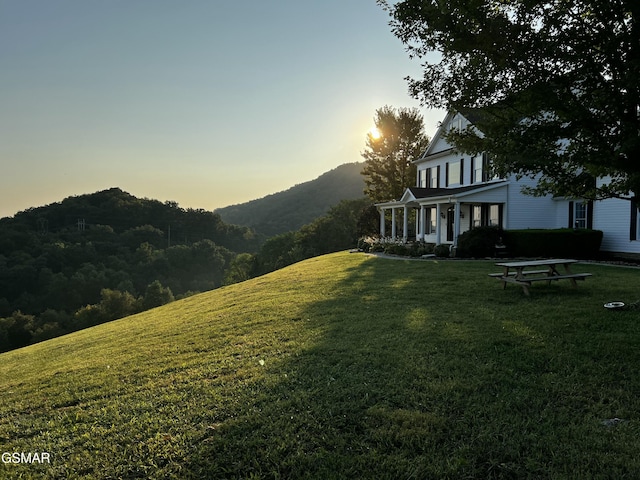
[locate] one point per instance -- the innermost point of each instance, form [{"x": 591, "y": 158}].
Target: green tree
[
  {"x": 241, "y": 268},
  {"x": 337, "y": 230},
  {"x": 397, "y": 140},
  {"x": 552, "y": 85},
  {"x": 276, "y": 253},
  {"x": 156, "y": 295},
  {"x": 16, "y": 331},
  {"x": 116, "y": 304}
]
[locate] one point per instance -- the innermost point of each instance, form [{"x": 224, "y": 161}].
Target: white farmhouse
[{"x": 456, "y": 192}]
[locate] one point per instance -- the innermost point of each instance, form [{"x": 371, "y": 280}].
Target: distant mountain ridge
[{"x": 299, "y": 205}]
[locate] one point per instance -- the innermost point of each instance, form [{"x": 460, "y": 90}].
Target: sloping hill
[
  {"x": 57, "y": 259},
  {"x": 291, "y": 209},
  {"x": 337, "y": 367}
]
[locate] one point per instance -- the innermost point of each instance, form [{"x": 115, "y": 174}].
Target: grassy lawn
[{"x": 343, "y": 366}]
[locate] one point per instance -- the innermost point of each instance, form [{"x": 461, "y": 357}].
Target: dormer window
[{"x": 456, "y": 123}]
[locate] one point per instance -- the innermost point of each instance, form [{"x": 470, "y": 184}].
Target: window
[
  {"x": 422, "y": 179},
  {"x": 476, "y": 216},
  {"x": 433, "y": 177},
  {"x": 580, "y": 215},
  {"x": 453, "y": 173},
  {"x": 494, "y": 215},
  {"x": 431, "y": 222},
  {"x": 486, "y": 215},
  {"x": 476, "y": 169},
  {"x": 487, "y": 170},
  {"x": 456, "y": 123}
]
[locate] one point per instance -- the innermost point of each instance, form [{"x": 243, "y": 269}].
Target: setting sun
[{"x": 375, "y": 133}]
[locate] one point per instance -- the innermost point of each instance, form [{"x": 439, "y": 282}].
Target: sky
[{"x": 204, "y": 102}]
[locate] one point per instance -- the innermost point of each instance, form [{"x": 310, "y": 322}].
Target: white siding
[
  {"x": 525, "y": 211},
  {"x": 440, "y": 145},
  {"x": 497, "y": 195},
  {"x": 613, "y": 217}
]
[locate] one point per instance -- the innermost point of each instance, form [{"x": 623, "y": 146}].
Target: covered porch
[{"x": 440, "y": 215}]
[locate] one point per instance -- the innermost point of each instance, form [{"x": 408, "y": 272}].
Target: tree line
[
  {"x": 338, "y": 230},
  {"x": 97, "y": 257},
  {"x": 77, "y": 275}
]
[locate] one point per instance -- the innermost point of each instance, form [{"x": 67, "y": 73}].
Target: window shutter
[
  {"x": 437, "y": 185},
  {"x": 472, "y": 171},
  {"x": 485, "y": 168},
  {"x": 446, "y": 175},
  {"x": 462, "y": 171},
  {"x": 590, "y": 215},
  {"x": 570, "y": 214}
]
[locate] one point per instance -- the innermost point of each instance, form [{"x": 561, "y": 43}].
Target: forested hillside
[
  {"x": 96, "y": 257},
  {"x": 289, "y": 210}
]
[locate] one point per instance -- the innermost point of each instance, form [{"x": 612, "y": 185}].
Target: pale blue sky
[{"x": 206, "y": 103}]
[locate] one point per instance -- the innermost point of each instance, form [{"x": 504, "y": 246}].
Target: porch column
[
  {"x": 405, "y": 225},
  {"x": 456, "y": 223},
  {"x": 382, "y": 232},
  {"x": 438, "y": 224},
  {"x": 423, "y": 221},
  {"x": 393, "y": 223},
  {"x": 505, "y": 216}
]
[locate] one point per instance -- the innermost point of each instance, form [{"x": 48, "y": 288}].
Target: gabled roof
[
  {"x": 430, "y": 147},
  {"x": 439, "y": 192},
  {"x": 471, "y": 115},
  {"x": 422, "y": 193},
  {"x": 418, "y": 195}
]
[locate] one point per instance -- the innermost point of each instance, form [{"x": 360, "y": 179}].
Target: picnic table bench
[{"x": 514, "y": 272}]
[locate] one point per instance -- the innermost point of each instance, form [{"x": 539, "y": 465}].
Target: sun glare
[{"x": 375, "y": 133}]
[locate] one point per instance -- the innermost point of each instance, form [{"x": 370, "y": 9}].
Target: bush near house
[
  {"x": 564, "y": 242},
  {"x": 479, "y": 242},
  {"x": 396, "y": 249}
]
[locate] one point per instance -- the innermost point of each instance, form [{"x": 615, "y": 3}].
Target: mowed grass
[{"x": 342, "y": 366}]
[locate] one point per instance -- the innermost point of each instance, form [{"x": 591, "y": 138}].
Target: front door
[{"x": 451, "y": 218}]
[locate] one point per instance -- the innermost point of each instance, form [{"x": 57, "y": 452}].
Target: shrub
[
  {"x": 364, "y": 245},
  {"x": 377, "y": 247},
  {"x": 396, "y": 249},
  {"x": 563, "y": 242},
  {"x": 442, "y": 250},
  {"x": 479, "y": 242},
  {"x": 419, "y": 249}
]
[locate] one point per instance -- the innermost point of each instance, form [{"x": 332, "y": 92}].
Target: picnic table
[{"x": 515, "y": 272}]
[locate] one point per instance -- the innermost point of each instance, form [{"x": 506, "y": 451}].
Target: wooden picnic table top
[
  {"x": 533, "y": 263},
  {"x": 524, "y": 278}
]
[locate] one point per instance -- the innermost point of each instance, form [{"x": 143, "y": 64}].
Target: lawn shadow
[{"x": 416, "y": 372}]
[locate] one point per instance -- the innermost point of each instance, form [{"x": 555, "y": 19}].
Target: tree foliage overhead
[
  {"x": 552, "y": 85},
  {"x": 399, "y": 140}
]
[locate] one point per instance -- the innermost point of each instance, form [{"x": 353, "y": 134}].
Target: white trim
[{"x": 433, "y": 156}]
